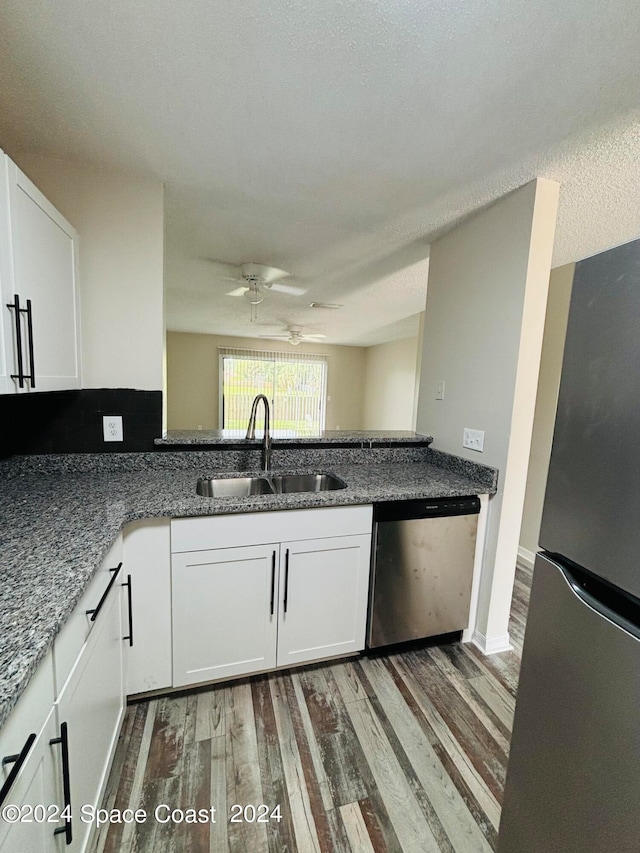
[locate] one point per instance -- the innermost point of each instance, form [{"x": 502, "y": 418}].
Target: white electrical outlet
[
  {"x": 440, "y": 390},
  {"x": 112, "y": 428},
  {"x": 473, "y": 439}
]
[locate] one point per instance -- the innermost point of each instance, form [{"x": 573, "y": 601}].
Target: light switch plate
[
  {"x": 112, "y": 428},
  {"x": 473, "y": 439},
  {"x": 440, "y": 390}
]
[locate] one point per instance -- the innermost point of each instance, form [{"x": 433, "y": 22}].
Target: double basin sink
[{"x": 267, "y": 484}]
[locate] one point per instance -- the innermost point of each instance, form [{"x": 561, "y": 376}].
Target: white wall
[
  {"x": 193, "y": 379},
  {"x": 484, "y": 320},
  {"x": 119, "y": 218},
  {"x": 389, "y": 389},
  {"x": 555, "y": 329}
]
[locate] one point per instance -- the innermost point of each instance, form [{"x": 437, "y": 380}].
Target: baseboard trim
[
  {"x": 525, "y": 558},
  {"x": 492, "y": 645}
]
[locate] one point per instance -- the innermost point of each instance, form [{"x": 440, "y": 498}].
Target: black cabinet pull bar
[
  {"x": 32, "y": 370},
  {"x": 17, "y": 761},
  {"x": 21, "y": 375},
  {"x": 130, "y": 635},
  {"x": 94, "y": 612},
  {"x": 273, "y": 580},
  {"x": 16, "y": 306},
  {"x": 63, "y": 740},
  {"x": 286, "y": 581}
]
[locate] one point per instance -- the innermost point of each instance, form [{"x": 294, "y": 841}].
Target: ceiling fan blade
[
  {"x": 289, "y": 289},
  {"x": 239, "y": 291},
  {"x": 264, "y": 273},
  {"x": 275, "y": 337},
  {"x": 314, "y": 337},
  {"x": 222, "y": 269}
]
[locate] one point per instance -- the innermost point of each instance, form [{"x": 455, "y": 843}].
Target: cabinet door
[
  {"x": 224, "y": 612},
  {"x": 147, "y": 560},
  {"x": 74, "y": 633},
  {"x": 44, "y": 256},
  {"x": 7, "y": 356},
  {"x": 323, "y": 602},
  {"x": 92, "y": 704},
  {"x": 38, "y": 784}
]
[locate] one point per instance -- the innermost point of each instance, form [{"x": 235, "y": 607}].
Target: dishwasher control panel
[{"x": 426, "y": 508}]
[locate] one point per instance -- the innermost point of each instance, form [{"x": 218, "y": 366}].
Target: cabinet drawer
[
  {"x": 71, "y": 638},
  {"x": 256, "y": 528}
]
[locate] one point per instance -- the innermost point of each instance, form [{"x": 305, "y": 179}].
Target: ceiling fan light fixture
[
  {"x": 295, "y": 335},
  {"x": 253, "y": 294}
]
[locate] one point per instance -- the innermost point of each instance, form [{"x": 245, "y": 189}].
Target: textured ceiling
[{"x": 332, "y": 138}]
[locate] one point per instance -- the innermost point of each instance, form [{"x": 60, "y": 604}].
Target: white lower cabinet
[
  {"x": 37, "y": 794},
  {"x": 30, "y": 771},
  {"x": 242, "y": 609},
  {"x": 92, "y": 704},
  {"x": 63, "y": 735},
  {"x": 224, "y": 621},
  {"x": 323, "y": 608},
  {"x": 147, "y": 605}
]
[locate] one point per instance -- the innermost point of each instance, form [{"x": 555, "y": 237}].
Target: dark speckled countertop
[
  {"x": 361, "y": 437},
  {"x": 60, "y": 516}
]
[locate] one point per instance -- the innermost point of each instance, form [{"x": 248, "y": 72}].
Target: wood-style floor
[{"x": 397, "y": 752}]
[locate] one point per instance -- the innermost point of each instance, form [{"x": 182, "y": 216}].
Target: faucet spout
[{"x": 251, "y": 430}]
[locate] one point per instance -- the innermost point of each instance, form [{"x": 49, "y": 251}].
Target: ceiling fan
[
  {"x": 257, "y": 279},
  {"x": 296, "y": 336}
]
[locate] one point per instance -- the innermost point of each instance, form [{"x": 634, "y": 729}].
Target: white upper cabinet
[{"x": 39, "y": 289}]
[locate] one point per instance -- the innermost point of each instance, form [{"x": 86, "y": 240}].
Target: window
[{"x": 295, "y": 385}]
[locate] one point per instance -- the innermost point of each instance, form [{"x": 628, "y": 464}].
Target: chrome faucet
[{"x": 251, "y": 430}]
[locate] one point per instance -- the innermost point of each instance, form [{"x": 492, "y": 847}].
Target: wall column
[{"x": 484, "y": 321}]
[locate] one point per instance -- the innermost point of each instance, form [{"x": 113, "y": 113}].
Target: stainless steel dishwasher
[{"x": 423, "y": 554}]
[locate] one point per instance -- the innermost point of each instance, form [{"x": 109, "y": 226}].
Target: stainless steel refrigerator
[{"x": 573, "y": 780}]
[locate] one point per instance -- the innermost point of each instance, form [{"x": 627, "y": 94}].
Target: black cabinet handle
[
  {"x": 16, "y": 307},
  {"x": 17, "y": 761},
  {"x": 286, "y": 580},
  {"x": 96, "y": 610},
  {"x": 63, "y": 740},
  {"x": 130, "y": 605},
  {"x": 273, "y": 580},
  {"x": 21, "y": 375},
  {"x": 32, "y": 370}
]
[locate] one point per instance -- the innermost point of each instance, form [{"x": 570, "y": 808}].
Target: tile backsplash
[{"x": 71, "y": 421}]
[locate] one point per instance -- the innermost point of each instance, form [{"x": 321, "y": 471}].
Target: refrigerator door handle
[{"x": 615, "y": 605}]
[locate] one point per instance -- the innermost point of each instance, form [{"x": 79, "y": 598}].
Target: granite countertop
[
  {"x": 357, "y": 438},
  {"x": 57, "y": 527}
]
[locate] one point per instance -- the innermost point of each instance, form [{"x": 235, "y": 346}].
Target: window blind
[{"x": 294, "y": 383}]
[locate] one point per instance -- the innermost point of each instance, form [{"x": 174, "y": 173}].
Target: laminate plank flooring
[{"x": 388, "y": 753}]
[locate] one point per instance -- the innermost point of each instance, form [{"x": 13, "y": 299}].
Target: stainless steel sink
[
  {"x": 233, "y": 487},
  {"x": 285, "y": 483},
  {"x": 281, "y": 484}
]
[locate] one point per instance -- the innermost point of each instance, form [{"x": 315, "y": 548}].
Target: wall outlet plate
[
  {"x": 473, "y": 439},
  {"x": 112, "y": 428}
]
